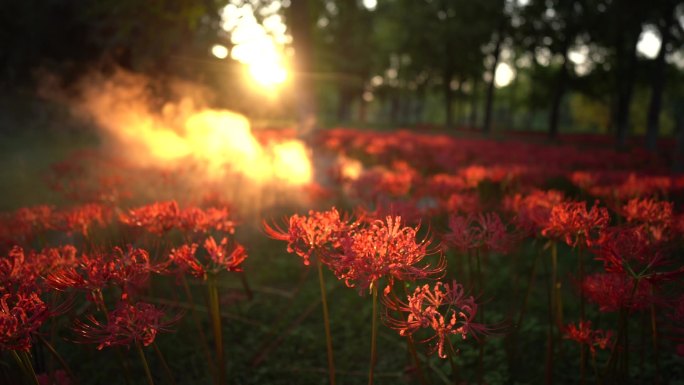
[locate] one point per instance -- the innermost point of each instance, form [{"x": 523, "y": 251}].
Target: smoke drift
[{"x": 169, "y": 136}]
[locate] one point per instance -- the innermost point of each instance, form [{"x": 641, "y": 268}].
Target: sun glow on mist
[{"x": 219, "y": 141}]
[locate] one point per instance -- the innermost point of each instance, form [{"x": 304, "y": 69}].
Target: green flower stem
[
  {"x": 29, "y": 371},
  {"x": 452, "y": 356},
  {"x": 245, "y": 285},
  {"x": 374, "y": 332},
  {"x": 58, "y": 357},
  {"x": 18, "y": 360},
  {"x": 528, "y": 290},
  {"x": 124, "y": 365},
  {"x": 412, "y": 350},
  {"x": 622, "y": 329},
  {"x": 416, "y": 360},
  {"x": 148, "y": 373},
  {"x": 548, "y": 365},
  {"x": 480, "y": 284},
  {"x": 583, "y": 349},
  {"x": 215, "y": 311},
  {"x": 654, "y": 335},
  {"x": 169, "y": 374},
  {"x": 326, "y": 322},
  {"x": 596, "y": 372},
  {"x": 198, "y": 325},
  {"x": 557, "y": 301}
]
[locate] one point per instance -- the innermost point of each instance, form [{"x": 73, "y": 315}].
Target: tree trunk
[
  {"x": 346, "y": 97},
  {"x": 457, "y": 106},
  {"x": 678, "y": 156},
  {"x": 420, "y": 104},
  {"x": 394, "y": 106},
  {"x": 301, "y": 22},
  {"x": 363, "y": 110},
  {"x": 624, "y": 100},
  {"x": 559, "y": 92},
  {"x": 490, "y": 87},
  {"x": 473, "y": 102},
  {"x": 628, "y": 31},
  {"x": 657, "y": 87},
  {"x": 448, "y": 100}
]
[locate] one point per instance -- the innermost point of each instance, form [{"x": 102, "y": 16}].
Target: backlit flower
[
  {"x": 445, "y": 310},
  {"x": 383, "y": 249},
  {"x": 224, "y": 255},
  {"x": 533, "y": 211},
  {"x": 156, "y": 218},
  {"x": 20, "y": 316},
  {"x": 184, "y": 257},
  {"x": 317, "y": 232},
  {"x": 125, "y": 325},
  {"x": 481, "y": 231},
  {"x": 572, "y": 222},
  {"x": 655, "y": 217},
  {"x": 614, "y": 291},
  {"x": 585, "y": 335}
]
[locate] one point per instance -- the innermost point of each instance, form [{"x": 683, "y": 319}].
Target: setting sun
[
  {"x": 268, "y": 74},
  {"x": 259, "y": 46}
]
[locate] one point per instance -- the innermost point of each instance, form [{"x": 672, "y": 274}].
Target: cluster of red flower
[
  {"x": 482, "y": 198},
  {"x": 113, "y": 280},
  {"x": 490, "y": 193}
]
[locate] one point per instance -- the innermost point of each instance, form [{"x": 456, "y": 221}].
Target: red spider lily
[
  {"x": 224, "y": 255},
  {"x": 444, "y": 185},
  {"x": 21, "y": 314},
  {"x": 33, "y": 218},
  {"x": 196, "y": 220},
  {"x": 157, "y": 218},
  {"x": 473, "y": 175},
  {"x": 13, "y": 269},
  {"x": 53, "y": 258},
  {"x": 317, "y": 232},
  {"x": 585, "y": 335},
  {"x": 21, "y": 271},
  {"x": 379, "y": 181},
  {"x": 132, "y": 267},
  {"x": 574, "y": 224},
  {"x": 583, "y": 179},
  {"x": 221, "y": 256},
  {"x": 82, "y": 218},
  {"x": 647, "y": 211},
  {"x": 445, "y": 309},
  {"x": 184, "y": 257},
  {"x": 466, "y": 202},
  {"x": 22, "y": 225},
  {"x": 125, "y": 325},
  {"x": 383, "y": 249},
  {"x": 654, "y": 216},
  {"x": 481, "y": 231},
  {"x": 621, "y": 186},
  {"x": 161, "y": 217},
  {"x": 612, "y": 292},
  {"x": 533, "y": 211},
  {"x": 129, "y": 269},
  {"x": 629, "y": 250}
]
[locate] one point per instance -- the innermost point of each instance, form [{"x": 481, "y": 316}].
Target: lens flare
[{"x": 219, "y": 51}]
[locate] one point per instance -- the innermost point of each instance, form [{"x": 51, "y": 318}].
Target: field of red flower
[{"x": 412, "y": 258}]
